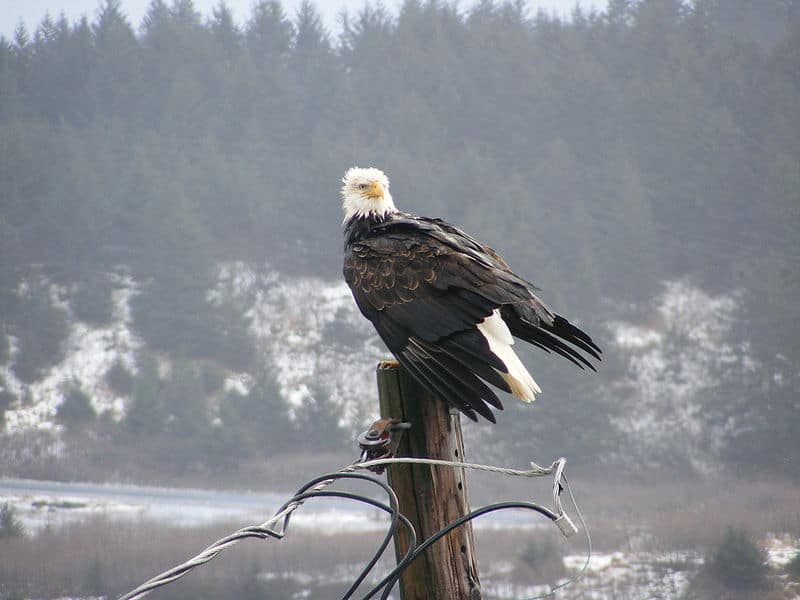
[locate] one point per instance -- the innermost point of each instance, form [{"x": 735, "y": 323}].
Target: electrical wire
[
  {"x": 266, "y": 530},
  {"x": 398, "y": 571},
  {"x": 276, "y": 526}
]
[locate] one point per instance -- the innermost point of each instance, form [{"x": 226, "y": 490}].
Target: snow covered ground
[
  {"x": 677, "y": 357},
  {"x": 628, "y": 575},
  {"x": 633, "y": 575},
  {"x": 40, "y": 504},
  {"x": 678, "y": 352},
  {"x": 300, "y": 324},
  {"x": 90, "y": 352}
]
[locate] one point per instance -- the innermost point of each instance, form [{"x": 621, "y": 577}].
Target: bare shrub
[
  {"x": 120, "y": 379},
  {"x": 738, "y": 562},
  {"x": 793, "y": 567},
  {"x": 103, "y": 557},
  {"x": 736, "y": 567},
  {"x": 542, "y": 558},
  {"x": 10, "y": 525}
]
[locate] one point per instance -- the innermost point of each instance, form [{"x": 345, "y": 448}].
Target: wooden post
[{"x": 430, "y": 497}]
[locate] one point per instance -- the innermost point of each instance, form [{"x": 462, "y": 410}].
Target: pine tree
[
  {"x": 115, "y": 67},
  {"x": 21, "y": 37},
  {"x": 270, "y": 34},
  {"x": 226, "y": 33}
]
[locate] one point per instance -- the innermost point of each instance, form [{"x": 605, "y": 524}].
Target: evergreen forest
[{"x": 602, "y": 155}]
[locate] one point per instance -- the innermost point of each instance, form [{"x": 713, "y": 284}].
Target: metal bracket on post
[{"x": 381, "y": 441}]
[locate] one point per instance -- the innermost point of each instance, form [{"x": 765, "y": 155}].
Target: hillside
[{"x": 169, "y": 226}]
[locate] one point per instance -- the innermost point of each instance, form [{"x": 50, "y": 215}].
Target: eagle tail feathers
[
  {"x": 478, "y": 366},
  {"x": 500, "y": 340},
  {"x": 433, "y": 382},
  {"x": 555, "y": 337},
  {"x": 453, "y": 381}
]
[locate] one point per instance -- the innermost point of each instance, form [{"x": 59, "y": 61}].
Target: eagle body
[{"x": 446, "y": 306}]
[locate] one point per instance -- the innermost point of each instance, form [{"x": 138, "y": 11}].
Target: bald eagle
[{"x": 446, "y": 306}]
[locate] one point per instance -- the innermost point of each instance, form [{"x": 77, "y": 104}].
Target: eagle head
[{"x": 365, "y": 192}]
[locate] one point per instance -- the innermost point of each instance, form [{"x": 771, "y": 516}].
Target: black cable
[
  {"x": 390, "y": 534},
  {"x": 396, "y": 520},
  {"x": 390, "y": 580},
  {"x": 393, "y": 509},
  {"x": 395, "y": 574}
]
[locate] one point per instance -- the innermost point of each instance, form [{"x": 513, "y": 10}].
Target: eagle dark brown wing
[{"x": 426, "y": 286}]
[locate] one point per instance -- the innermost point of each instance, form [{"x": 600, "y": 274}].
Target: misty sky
[{"x": 32, "y": 11}]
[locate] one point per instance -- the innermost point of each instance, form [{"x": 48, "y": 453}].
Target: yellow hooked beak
[{"x": 375, "y": 190}]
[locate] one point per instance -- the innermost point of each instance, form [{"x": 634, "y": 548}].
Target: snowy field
[
  {"x": 41, "y": 504},
  {"x": 632, "y": 575},
  {"x": 673, "y": 354}
]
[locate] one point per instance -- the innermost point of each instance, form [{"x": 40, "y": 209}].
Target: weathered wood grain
[{"x": 431, "y": 497}]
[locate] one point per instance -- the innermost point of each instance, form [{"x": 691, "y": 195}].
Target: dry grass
[
  {"x": 690, "y": 514},
  {"x": 664, "y": 515},
  {"x": 108, "y": 557}
]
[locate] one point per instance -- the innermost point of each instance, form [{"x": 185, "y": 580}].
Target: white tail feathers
[{"x": 496, "y": 332}]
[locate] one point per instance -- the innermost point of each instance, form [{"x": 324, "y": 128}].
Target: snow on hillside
[
  {"x": 312, "y": 333},
  {"x": 90, "y": 352},
  {"x": 675, "y": 361},
  {"x": 308, "y": 329}
]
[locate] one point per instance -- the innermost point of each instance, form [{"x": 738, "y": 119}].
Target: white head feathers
[{"x": 366, "y": 192}]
